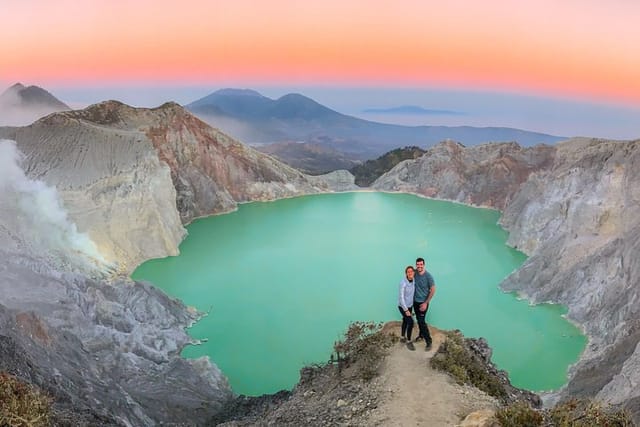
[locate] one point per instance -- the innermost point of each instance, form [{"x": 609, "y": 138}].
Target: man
[{"x": 425, "y": 288}]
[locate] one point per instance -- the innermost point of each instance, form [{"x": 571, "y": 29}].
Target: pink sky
[{"x": 587, "y": 49}]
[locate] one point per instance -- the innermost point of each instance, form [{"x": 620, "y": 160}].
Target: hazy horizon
[{"x": 556, "y": 116}]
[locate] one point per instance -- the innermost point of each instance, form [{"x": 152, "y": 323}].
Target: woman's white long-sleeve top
[{"x": 405, "y": 297}]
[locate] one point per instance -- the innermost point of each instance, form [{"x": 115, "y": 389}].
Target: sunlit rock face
[{"x": 574, "y": 209}]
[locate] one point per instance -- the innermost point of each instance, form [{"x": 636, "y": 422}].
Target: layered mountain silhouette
[
  {"x": 326, "y": 137},
  {"x": 20, "y": 105}
]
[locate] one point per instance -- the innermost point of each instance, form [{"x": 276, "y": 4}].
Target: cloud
[{"x": 12, "y": 115}]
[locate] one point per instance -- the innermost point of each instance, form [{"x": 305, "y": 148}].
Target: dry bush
[
  {"x": 363, "y": 346},
  {"x": 584, "y": 413},
  {"x": 454, "y": 357},
  {"x": 21, "y": 404},
  {"x": 519, "y": 414}
]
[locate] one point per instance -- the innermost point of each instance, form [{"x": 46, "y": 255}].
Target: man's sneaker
[
  {"x": 410, "y": 346},
  {"x": 418, "y": 338},
  {"x": 428, "y": 347},
  {"x": 403, "y": 339}
]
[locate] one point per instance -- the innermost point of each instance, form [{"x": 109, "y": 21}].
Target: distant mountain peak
[
  {"x": 296, "y": 97},
  {"x": 16, "y": 87},
  {"x": 237, "y": 92},
  {"x": 20, "y": 95}
]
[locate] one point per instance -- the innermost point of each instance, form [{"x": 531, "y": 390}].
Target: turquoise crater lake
[{"x": 281, "y": 281}]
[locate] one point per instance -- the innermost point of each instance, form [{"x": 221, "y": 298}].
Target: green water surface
[{"x": 282, "y": 280}]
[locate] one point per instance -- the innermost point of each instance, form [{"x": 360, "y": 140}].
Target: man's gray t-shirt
[{"x": 423, "y": 284}]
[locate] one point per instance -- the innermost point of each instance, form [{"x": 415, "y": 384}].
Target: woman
[{"x": 405, "y": 304}]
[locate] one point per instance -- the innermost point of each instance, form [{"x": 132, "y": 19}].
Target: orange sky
[{"x": 576, "y": 48}]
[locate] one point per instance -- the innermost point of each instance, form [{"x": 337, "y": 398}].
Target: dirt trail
[{"x": 417, "y": 395}]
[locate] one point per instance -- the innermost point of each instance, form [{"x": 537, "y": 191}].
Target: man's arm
[{"x": 432, "y": 292}]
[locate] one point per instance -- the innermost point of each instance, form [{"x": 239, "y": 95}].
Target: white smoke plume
[{"x": 34, "y": 222}]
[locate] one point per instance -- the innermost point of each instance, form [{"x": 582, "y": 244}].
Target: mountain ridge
[{"x": 260, "y": 120}]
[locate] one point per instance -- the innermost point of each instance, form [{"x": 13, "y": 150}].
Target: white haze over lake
[{"x": 556, "y": 116}]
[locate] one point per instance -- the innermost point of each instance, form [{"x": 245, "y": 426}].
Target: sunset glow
[{"x": 584, "y": 49}]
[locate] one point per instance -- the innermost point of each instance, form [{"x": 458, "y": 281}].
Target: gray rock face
[
  {"x": 579, "y": 223},
  {"x": 111, "y": 183},
  {"x": 107, "y": 352},
  {"x": 484, "y": 175},
  {"x": 340, "y": 180},
  {"x": 573, "y": 210}
]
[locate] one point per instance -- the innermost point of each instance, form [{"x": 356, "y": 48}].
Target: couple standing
[{"x": 416, "y": 290}]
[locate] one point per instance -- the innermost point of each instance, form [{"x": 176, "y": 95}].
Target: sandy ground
[{"x": 414, "y": 394}]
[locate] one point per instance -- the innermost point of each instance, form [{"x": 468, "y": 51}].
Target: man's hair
[
  {"x": 420, "y": 259},
  {"x": 409, "y": 267}
]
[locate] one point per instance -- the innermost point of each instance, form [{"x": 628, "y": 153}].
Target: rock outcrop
[
  {"x": 484, "y": 175},
  {"x": 578, "y": 222},
  {"x": 108, "y": 353},
  {"x": 573, "y": 209}
]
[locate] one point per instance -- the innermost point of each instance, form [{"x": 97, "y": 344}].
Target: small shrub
[
  {"x": 454, "y": 357},
  {"x": 519, "y": 414},
  {"x": 583, "y": 413},
  {"x": 21, "y": 404},
  {"x": 364, "y": 346}
]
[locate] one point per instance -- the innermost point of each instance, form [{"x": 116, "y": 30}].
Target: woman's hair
[{"x": 408, "y": 268}]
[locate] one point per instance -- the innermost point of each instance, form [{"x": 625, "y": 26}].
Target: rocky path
[{"x": 414, "y": 394}]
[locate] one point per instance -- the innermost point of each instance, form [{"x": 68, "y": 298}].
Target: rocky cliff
[
  {"x": 483, "y": 175},
  {"x": 107, "y": 351},
  {"x": 573, "y": 209}
]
